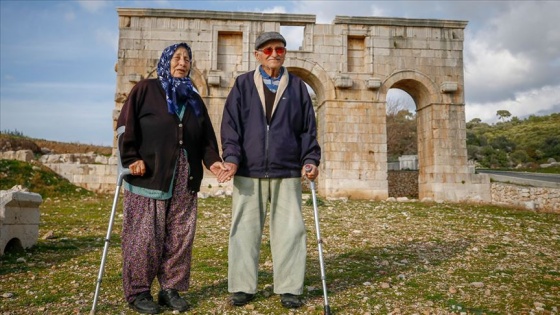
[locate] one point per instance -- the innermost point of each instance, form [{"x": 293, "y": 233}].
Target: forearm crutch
[
  {"x": 122, "y": 172},
  {"x": 327, "y": 309}
]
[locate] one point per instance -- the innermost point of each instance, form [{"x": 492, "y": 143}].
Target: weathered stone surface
[
  {"x": 20, "y": 155},
  {"x": 350, "y": 64},
  {"x": 19, "y": 218},
  {"x": 530, "y": 198}
]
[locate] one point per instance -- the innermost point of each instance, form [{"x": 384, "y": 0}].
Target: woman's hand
[
  {"x": 219, "y": 169},
  {"x": 137, "y": 168}
]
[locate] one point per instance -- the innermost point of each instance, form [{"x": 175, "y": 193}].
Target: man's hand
[
  {"x": 310, "y": 171},
  {"x": 228, "y": 171}
]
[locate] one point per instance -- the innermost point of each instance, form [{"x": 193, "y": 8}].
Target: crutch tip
[{"x": 327, "y": 310}]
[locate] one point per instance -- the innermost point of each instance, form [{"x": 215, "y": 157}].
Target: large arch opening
[
  {"x": 420, "y": 92},
  {"x": 402, "y": 145}
]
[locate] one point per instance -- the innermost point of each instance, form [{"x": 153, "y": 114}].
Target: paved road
[{"x": 554, "y": 179}]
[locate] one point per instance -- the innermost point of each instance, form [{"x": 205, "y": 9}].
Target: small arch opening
[{"x": 13, "y": 246}]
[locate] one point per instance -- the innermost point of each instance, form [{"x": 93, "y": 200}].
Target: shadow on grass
[
  {"x": 344, "y": 272},
  {"x": 55, "y": 252},
  {"x": 350, "y": 270}
]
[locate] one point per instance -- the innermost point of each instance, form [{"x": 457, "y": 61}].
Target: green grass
[
  {"x": 380, "y": 258},
  {"x": 37, "y": 178}
]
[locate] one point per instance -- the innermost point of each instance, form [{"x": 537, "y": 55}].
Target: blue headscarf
[{"x": 177, "y": 90}]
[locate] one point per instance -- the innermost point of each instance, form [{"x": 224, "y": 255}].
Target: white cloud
[
  {"x": 516, "y": 49},
  {"x": 325, "y": 11},
  {"x": 544, "y": 100},
  {"x": 276, "y": 9},
  {"x": 93, "y": 6},
  {"x": 490, "y": 70}
]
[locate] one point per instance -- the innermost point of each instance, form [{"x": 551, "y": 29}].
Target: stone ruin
[
  {"x": 19, "y": 219},
  {"x": 350, "y": 64}
]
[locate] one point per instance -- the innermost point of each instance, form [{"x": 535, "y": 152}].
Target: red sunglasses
[{"x": 268, "y": 50}]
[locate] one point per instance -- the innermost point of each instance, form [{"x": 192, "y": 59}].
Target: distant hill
[
  {"x": 517, "y": 143},
  {"x": 11, "y": 142}
]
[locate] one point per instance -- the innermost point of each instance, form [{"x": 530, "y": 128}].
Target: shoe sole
[
  {"x": 291, "y": 305},
  {"x": 143, "y": 311},
  {"x": 167, "y": 307}
]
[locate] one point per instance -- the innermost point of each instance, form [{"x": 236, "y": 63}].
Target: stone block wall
[
  {"x": 90, "y": 171},
  {"x": 530, "y": 198}
]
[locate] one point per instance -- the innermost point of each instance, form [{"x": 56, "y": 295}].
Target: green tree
[
  {"x": 493, "y": 158},
  {"x": 401, "y": 132},
  {"x": 519, "y": 156},
  {"x": 551, "y": 147},
  {"x": 503, "y": 143},
  {"x": 503, "y": 114}
]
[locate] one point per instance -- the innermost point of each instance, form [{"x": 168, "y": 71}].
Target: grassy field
[{"x": 380, "y": 258}]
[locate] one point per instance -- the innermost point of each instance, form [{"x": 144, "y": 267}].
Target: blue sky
[{"x": 57, "y": 58}]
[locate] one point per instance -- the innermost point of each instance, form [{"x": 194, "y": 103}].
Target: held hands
[
  {"x": 310, "y": 171},
  {"x": 138, "y": 168},
  {"x": 223, "y": 171}
]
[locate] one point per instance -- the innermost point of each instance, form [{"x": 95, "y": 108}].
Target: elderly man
[{"x": 268, "y": 137}]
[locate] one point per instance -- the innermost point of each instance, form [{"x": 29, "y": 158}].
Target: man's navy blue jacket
[{"x": 278, "y": 150}]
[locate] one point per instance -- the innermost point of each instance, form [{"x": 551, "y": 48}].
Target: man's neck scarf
[
  {"x": 177, "y": 90},
  {"x": 270, "y": 82}
]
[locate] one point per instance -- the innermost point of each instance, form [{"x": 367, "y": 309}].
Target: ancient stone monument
[
  {"x": 19, "y": 219},
  {"x": 350, "y": 64}
]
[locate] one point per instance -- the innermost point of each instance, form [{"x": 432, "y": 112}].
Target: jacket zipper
[{"x": 266, "y": 151}]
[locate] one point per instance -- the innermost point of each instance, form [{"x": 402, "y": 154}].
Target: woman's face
[{"x": 180, "y": 63}]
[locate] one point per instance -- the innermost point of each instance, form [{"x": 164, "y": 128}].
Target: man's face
[{"x": 271, "y": 55}]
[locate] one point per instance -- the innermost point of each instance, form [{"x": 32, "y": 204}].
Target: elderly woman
[{"x": 167, "y": 137}]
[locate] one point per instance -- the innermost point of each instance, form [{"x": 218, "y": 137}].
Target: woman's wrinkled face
[{"x": 180, "y": 63}]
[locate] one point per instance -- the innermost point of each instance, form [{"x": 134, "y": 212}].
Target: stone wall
[
  {"x": 545, "y": 199},
  {"x": 530, "y": 198},
  {"x": 98, "y": 173},
  {"x": 91, "y": 171}
]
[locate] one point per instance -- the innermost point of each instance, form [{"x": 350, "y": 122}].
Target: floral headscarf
[{"x": 177, "y": 90}]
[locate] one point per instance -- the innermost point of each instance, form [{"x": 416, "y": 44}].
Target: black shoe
[
  {"x": 171, "y": 298},
  {"x": 241, "y": 298},
  {"x": 290, "y": 301},
  {"x": 144, "y": 303}
]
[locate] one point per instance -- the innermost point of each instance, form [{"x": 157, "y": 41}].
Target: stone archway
[{"x": 350, "y": 64}]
